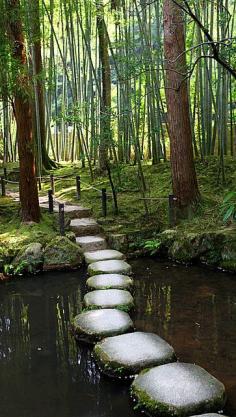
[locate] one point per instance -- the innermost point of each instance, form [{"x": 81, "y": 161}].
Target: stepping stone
[
  {"x": 94, "y": 325},
  {"x": 109, "y": 267},
  {"x": 178, "y": 389},
  {"x": 128, "y": 354},
  {"x": 109, "y": 281},
  {"x": 70, "y": 211},
  {"x": 120, "y": 299},
  {"x": 91, "y": 243},
  {"x": 103, "y": 255},
  {"x": 210, "y": 415},
  {"x": 85, "y": 227}
]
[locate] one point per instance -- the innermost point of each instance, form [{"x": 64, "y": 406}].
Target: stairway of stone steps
[{"x": 167, "y": 387}]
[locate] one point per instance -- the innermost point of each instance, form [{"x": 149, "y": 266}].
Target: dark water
[{"x": 44, "y": 374}]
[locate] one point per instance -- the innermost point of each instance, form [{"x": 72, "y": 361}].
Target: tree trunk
[
  {"x": 105, "y": 106},
  {"x": 38, "y": 74},
  {"x": 23, "y": 114},
  {"x": 184, "y": 180}
]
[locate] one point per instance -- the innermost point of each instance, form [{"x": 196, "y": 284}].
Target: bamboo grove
[{"x": 98, "y": 75}]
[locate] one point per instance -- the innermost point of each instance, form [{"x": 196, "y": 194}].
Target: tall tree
[
  {"x": 23, "y": 114},
  {"x": 184, "y": 178},
  {"x": 35, "y": 35},
  {"x": 105, "y": 105}
]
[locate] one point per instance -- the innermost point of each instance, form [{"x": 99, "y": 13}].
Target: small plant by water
[{"x": 228, "y": 209}]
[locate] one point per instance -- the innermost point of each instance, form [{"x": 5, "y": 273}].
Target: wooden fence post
[
  {"x": 50, "y": 201},
  {"x": 52, "y": 183},
  {"x": 3, "y": 185},
  {"x": 62, "y": 219},
  {"x": 104, "y": 202},
  {"x": 78, "y": 187}
]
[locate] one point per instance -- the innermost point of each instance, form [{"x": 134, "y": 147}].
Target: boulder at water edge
[
  {"x": 61, "y": 253},
  {"x": 108, "y": 281},
  {"x": 128, "y": 354},
  {"x": 120, "y": 299},
  {"x": 94, "y": 325},
  {"x": 109, "y": 267},
  {"x": 29, "y": 259},
  {"x": 178, "y": 389}
]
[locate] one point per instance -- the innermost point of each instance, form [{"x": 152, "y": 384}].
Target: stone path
[{"x": 162, "y": 387}]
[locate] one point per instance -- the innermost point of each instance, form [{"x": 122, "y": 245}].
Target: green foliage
[
  {"x": 18, "y": 270},
  {"x": 228, "y": 209},
  {"x": 152, "y": 245}
]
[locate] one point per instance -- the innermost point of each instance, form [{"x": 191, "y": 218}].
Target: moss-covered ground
[{"x": 132, "y": 215}]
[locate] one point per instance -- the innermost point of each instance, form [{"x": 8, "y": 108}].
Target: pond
[{"x": 44, "y": 374}]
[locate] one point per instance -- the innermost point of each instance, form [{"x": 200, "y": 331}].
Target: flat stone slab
[
  {"x": 84, "y": 227},
  {"x": 109, "y": 267},
  {"x": 110, "y": 281},
  {"x": 91, "y": 243},
  {"x": 178, "y": 389},
  {"x": 103, "y": 255},
  {"x": 128, "y": 354},
  {"x": 210, "y": 415},
  {"x": 94, "y": 325},
  {"x": 120, "y": 299}
]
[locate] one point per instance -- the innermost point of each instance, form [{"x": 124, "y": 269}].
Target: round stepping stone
[
  {"x": 120, "y": 299},
  {"x": 108, "y": 281},
  {"x": 210, "y": 415},
  {"x": 91, "y": 243},
  {"x": 128, "y": 354},
  {"x": 109, "y": 267},
  {"x": 94, "y": 325},
  {"x": 103, "y": 255},
  {"x": 178, "y": 389}
]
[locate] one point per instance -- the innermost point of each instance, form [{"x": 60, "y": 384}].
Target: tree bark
[
  {"x": 105, "y": 106},
  {"x": 23, "y": 114},
  {"x": 184, "y": 180},
  {"x": 38, "y": 69}
]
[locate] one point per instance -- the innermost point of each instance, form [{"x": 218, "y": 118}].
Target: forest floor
[{"x": 132, "y": 216}]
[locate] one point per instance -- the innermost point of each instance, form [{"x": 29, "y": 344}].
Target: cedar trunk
[
  {"x": 23, "y": 114},
  {"x": 184, "y": 180}
]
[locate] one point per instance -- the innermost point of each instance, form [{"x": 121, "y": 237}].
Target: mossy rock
[
  {"x": 29, "y": 259},
  {"x": 228, "y": 253},
  {"x": 185, "y": 249},
  {"x": 61, "y": 253},
  {"x": 6, "y": 256},
  {"x": 211, "y": 247}
]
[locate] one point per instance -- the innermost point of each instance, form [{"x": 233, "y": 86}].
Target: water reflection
[
  {"x": 44, "y": 374},
  {"x": 194, "y": 310}
]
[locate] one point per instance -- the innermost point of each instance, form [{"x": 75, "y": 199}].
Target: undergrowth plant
[{"x": 228, "y": 208}]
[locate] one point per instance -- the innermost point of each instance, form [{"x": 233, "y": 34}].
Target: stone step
[
  {"x": 120, "y": 299},
  {"x": 103, "y": 255},
  {"x": 110, "y": 281},
  {"x": 178, "y": 389},
  {"x": 94, "y": 325},
  {"x": 109, "y": 267},
  {"x": 71, "y": 211},
  {"x": 85, "y": 227},
  {"x": 128, "y": 354},
  {"x": 91, "y": 243}
]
